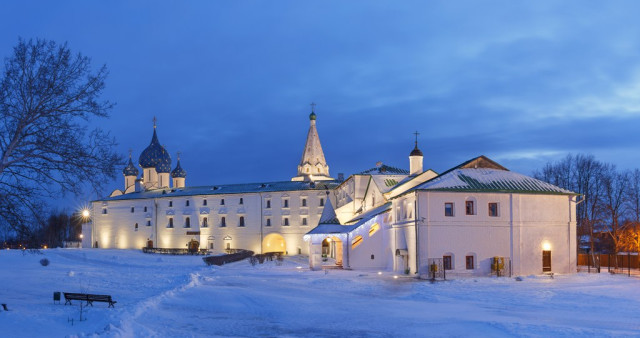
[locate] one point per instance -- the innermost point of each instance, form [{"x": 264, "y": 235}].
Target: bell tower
[{"x": 313, "y": 166}]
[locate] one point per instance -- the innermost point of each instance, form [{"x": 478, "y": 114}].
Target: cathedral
[{"x": 475, "y": 219}]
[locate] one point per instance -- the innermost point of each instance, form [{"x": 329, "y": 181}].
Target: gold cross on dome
[
  {"x": 313, "y": 107},
  {"x": 154, "y": 122}
]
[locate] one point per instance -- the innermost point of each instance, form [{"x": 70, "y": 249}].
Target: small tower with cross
[
  {"x": 313, "y": 166},
  {"x": 415, "y": 159},
  {"x": 130, "y": 173}
]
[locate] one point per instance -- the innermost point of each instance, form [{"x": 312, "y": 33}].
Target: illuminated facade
[
  {"x": 475, "y": 219},
  {"x": 158, "y": 210}
]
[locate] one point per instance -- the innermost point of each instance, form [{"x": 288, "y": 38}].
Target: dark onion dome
[
  {"x": 312, "y": 116},
  {"x": 178, "y": 172},
  {"x": 155, "y": 156},
  {"x": 130, "y": 169},
  {"x": 416, "y": 152}
]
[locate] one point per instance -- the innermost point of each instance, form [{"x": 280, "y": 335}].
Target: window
[
  {"x": 104, "y": 211},
  {"x": 145, "y": 209},
  {"x": 222, "y": 201},
  {"x": 268, "y": 222},
  {"x": 228, "y": 246},
  {"x": 135, "y": 227},
  {"x": 241, "y": 200},
  {"x": 304, "y": 202},
  {"x": 470, "y": 210},
  {"x": 241, "y": 221},
  {"x": 170, "y": 222},
  {"x": 356, "y": 241},
  {"x": 187, "y": 222},
  {"x": 285, "y": 221},
  {"x": 470, "y": 265},
  {"x": 299, "y": 251},
  {"x": 148, "y": 223},
  {"x": 448, "y": 209},
  {"x": 223, "y": 222},
  {"x": 268, "y": 204},
  {"x": 374, "y": 228},
  {"x": 447, "y": 262},
  {"x": 304, "y": 221},
  {"x": 133, "y": 210},
  {"x": 205, "y": 222},
  {"x": 204, "y": 202},
  {"x": 322, "y": 202},
  {"x": 186, "y": 203},
  {"x": 493, "y": 209},
  {"x": 170, "y": 204},
  {"x": 285, "y": 203}
]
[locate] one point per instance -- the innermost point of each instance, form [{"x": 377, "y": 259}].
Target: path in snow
[{"x": 177, "y": 296}]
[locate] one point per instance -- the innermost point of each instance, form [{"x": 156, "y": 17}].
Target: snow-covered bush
[{"x": 44, "y": 262}]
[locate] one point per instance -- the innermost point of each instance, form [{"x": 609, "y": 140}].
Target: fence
[{"x": 628, "y": 263}]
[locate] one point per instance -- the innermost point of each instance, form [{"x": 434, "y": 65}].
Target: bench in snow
[{"x": 89, "y": 298}]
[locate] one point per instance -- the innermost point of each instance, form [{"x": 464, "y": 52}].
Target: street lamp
[{"x": 85, "y": 218}]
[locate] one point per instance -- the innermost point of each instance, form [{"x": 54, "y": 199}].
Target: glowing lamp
[
  {"x": 546, "y": 246},
  {"x": 81, "y": 236},
  {"x": 395, "y": 277},
  {"x": 85, "y": 213}
]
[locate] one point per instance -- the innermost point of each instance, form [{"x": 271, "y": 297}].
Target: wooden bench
[{"x": 89, "y": 298}]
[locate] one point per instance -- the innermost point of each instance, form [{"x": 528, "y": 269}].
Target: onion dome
[
  {"x": 130, "y": 169},
  {"x": 155, "y": 156},
  {"x": 312, "y": 116},
  {"x": 416, "y": 152},
  {"x": 178, "y": 172}
]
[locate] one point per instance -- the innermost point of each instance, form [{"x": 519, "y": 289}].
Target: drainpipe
[
  {"x": 511, "y": 234},
  {"x": 261, "y": 230},
  {"x": 155, "y": 221},
  {"x": 415, "y": 216}
]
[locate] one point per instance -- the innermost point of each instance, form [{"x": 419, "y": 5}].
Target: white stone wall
[
  {"x": 116, "y": 229},
  {"x": 523, "y": 225}
]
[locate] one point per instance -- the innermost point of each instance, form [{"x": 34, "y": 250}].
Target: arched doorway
[
  {"x": 193, "y": 246},
  {"x": 332, "y": 251},
  {"x": 273, "y": 243},
  {"x": 149, "y": 244}
]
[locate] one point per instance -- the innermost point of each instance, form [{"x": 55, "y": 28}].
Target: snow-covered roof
[
  {"x": 483, "y": 175},
  {"x": 385, "y": 170},
  {"x": 326, "y": 228},
  {"x": 228, "y": 189},
  {"x": 387, "y": 182}
]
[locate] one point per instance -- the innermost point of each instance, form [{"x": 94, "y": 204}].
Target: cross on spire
[
  {"x": 130, "y": 151},
  {"x": 154, "y": 122},
  {"x": 416, "y": 133},
  {"x": 313, "y": 107},
  {"x": 179, "y": 155}
]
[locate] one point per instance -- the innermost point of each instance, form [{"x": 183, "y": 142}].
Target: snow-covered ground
[{"x": 177, "y": 296}]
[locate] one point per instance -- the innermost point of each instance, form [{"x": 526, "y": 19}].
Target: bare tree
[
  {"x": 612, "y": 208},
  {"x": 633, "y": 203},
  {"x": 48, "y": 96}
]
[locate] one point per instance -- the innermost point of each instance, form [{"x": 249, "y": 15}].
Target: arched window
[
  {"x": 170, "y": 204},
  {"x": 304, "y": 221},
  {"x": 223, "y": 222},
  {"x": 241, "y": 221},
  {"x": 268, "y": 204},
  {"x": 187, "y": 222},
  {"x": 204, "y": 222},
  {"x": 145, "y": 209},
  {"x": 136, "y": 227},
  {"x": 322, "y": 202},
  {"x": 204, "y": 202},
  {"x": 186, "y": 204},
  {"x": 268, "y": 222},
  {"x": 222, "y": 201},
  {"x": 356, "y": 241},
  {"x": 241, "y": 200},
  {"x": 171, "y": 222},
  {"x": 304, "y": 202}
]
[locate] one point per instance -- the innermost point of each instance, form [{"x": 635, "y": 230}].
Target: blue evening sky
[{"x": 523, "y": 82}]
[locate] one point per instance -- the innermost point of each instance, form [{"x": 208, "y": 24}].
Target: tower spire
[{"x": 313, "y": 165}]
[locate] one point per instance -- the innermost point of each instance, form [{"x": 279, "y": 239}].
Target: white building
[
  {"x": 158, "y": 210},
  {"x": 475, "y": 219}
]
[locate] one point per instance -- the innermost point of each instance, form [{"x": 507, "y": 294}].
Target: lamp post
[{"x": 85, "y": 218}]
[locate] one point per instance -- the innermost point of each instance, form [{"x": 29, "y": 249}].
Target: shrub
[{"x": 44, "y": 262}]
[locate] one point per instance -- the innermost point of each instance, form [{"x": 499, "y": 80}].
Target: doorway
[
  {"x": 273, "y": 243},
  {"x": 149, "y": 244},
  {"x": 546, "y": 261}
]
